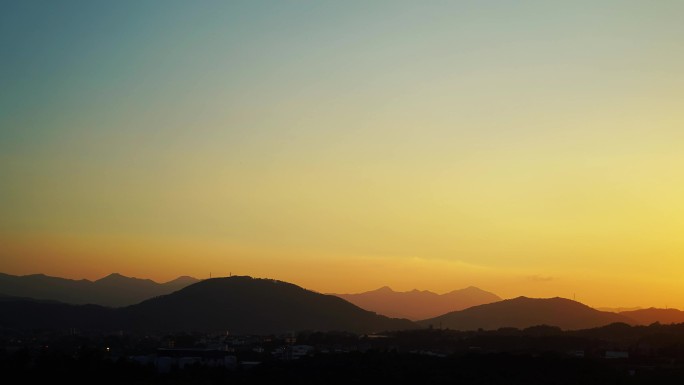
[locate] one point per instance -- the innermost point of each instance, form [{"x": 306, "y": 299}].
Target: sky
[{"x": 525, "y": 147}]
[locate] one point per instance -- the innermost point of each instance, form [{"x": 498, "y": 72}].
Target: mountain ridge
[
  {"x": 242, "y": 305},
  {"x": 522, "y": 312},
  {"x": 419, "y": 304},
  {"x": 112, "y": 290}
]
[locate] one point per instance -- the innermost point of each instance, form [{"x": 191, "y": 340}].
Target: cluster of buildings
[{"x": 222, "y": 351}]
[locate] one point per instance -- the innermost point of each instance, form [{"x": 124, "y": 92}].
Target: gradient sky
[{"x": 526, "y": 147}]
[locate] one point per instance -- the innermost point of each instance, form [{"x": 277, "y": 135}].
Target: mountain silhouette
[
  {"x": 653, "y": 315},
  {"x": 417, "y": 304},
  {"x": 113, "y": 290},
  {"x": 249, "y": 305},
  {"x": 241, "y": 305},
  {"x": 618, "y": 309},
  {"x": 523, "y": 312}
]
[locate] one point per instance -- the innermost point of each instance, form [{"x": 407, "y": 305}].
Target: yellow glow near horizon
[{"x": 525, "y": 149}]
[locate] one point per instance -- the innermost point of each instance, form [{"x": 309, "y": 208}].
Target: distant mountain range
[
  {"x": 113, "y": 290},
  {"x": 237, "y": 304},
  {"x": 524, "y": 312},
  {"x": 418, "y": 305},
  {"x": 247, "y": 305}
]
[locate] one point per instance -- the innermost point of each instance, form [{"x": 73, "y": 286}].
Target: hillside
[
  {"x": 523, "y": 312},
  {"x": 652, "y": 315},
  {"x": 30, "y": 314}
]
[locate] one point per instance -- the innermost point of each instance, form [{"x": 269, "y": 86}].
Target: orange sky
[
  {"x": 527, "y": 149},
  {"x": 166, "y": 259}
]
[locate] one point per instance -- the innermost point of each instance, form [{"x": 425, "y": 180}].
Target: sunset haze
[{"x": 527, "y": 148}]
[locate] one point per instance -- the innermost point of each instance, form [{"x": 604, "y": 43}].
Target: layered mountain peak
[
  {"x": 418, "y": 304},
  {"x": 184, "y": 278},
  {"x": 113, "y": 277},
  {"x": 384, "y": 289},
  {"x": 131, "y": 283}
]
